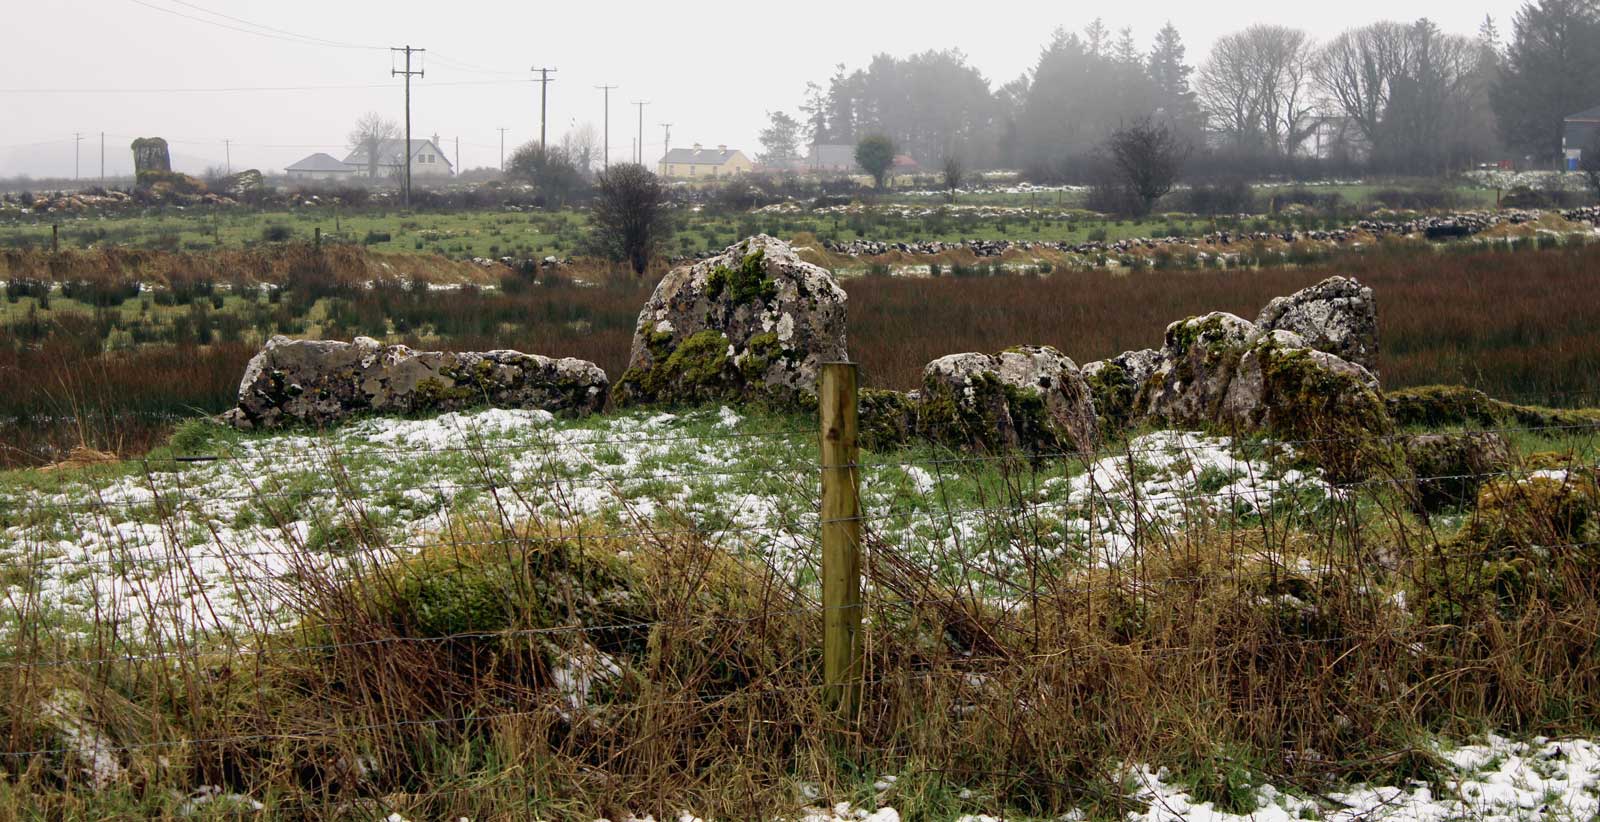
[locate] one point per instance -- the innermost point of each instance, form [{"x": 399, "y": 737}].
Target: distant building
[
  {"x": 905, "y": 164},
  {"x": 319, "y": 166},
  {"x": 1578, "y": 134},
  {"x": 691, "y": 163},
  {"x": 837, "y": 157},
  {"x": 427, "y": 160}
]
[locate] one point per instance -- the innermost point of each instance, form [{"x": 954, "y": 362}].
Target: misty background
[{"x": 285, "y": 79}]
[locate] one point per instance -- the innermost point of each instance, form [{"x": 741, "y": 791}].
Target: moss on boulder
[
  {"x": 778, "y": 318},
  {"x": 1031, "y": 398}
]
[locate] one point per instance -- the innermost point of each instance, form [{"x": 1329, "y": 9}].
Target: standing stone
[
  {"x": 1197, "y": 362},
  {"x": 752, "y": 323},
  {"x": 318, "y": 382},
  {"x": 1030, "y": 397},
  {"x": 1337, "y": 315},
  {"x": 150, "y": 155}
]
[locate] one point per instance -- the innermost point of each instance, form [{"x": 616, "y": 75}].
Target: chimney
[
  {"x": 696, "y": 146},
  {"x": 722, "y": 148}
]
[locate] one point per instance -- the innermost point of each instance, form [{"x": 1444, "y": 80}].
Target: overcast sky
[{"x": 128, "y": 68}]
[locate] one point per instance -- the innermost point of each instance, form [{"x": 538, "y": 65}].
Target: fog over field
[{"x": 131, "y": 68}]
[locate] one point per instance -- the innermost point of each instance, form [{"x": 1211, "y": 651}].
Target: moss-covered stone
[
  {"x": 698, "y": 369},
  {"x": 1450, "y": 467},
  {"x": 743, "y": 283},
  {"x": 1433, "y": 407},
  {"x": 1329, "y": 408},
  {"x": 887, "y": 420}
]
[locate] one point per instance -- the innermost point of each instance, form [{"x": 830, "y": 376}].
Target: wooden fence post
[
  {"x": 842, "y": 662},
  {"x": 55, "y": 238}
]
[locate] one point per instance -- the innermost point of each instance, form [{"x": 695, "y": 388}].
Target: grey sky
[{"x": 711, "y": 69}]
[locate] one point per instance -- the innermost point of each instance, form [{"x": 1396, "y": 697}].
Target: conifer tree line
[{"x": 1401, "y": 97}]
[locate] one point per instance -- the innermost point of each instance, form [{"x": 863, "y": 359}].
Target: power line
[
  {"x": 232, "y": 89},
  {"x": 310, "y": 39},
  {"x": 607, "y": 138},
  {"x": 544, "y": 96},
  {"x": 639, "y": 147},
  {"x": 286, "y": 37},
  {"x": 407, "y": 73}
]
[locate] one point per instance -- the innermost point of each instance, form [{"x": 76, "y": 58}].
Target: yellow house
[{"x": 698, "y": 162}]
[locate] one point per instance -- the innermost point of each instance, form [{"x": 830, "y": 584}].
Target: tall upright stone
[{"x": 752, "y": 323}]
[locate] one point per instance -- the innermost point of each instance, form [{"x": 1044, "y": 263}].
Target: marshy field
[{"x": 504, "y": 613}]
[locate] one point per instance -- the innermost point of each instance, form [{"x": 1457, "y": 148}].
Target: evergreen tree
[
  {"x": 1170, "y": 74},
  {"x": 1551, "y": 69}
]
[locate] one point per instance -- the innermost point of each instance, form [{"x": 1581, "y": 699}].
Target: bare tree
[
  {"x": 582, "y": 146},
  {"x": 629, "y": 216},
  {"x": 550, "y": 169},
  {"x": 1148, "y": 157},
  {"x": 1255, "y": 88},
  {"x": 954, "y": 171},
  {"x": 368, "y": 137},
  {"x": 1357, "y": 71}
]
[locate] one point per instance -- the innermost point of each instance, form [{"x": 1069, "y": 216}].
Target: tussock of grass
[{"x": 575, "y": 668}]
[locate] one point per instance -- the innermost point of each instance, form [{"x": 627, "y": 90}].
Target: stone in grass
[
  {"x": 1190, "y": 377},
  {"x": 1114, "y": 384},
  {"x": 752, "y": 323},
  {"x": 1329, "y": 408},
  {"x": 1030, "y": 397},
  {"x": 1337, "y": 315},
  {"x": 1450, "y": 467},
  {"x": 887, "y": 420},
  {"x": 319, "y": 382}
]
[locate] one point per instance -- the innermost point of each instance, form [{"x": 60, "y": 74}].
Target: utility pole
[
  {"x": 77, "y": 152},
  {"x": 102, "y": 159},
  {"x": 607, "y": 137},
  {"x": 639, "y": 148},
  {"x": 458, "y": 156},
  {"x": 408, "y": 73},
  {"x": 503, "y": 150},
  {"x": 544, "y": 97},
  {"x": 228, "y": 146},
  {"x": 666, "y": 141}
]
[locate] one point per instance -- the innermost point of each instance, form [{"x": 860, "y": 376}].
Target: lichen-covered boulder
[
  {"x": 752, "y": 323},
  {"x": 1449, "y": 468},
  {"x": 1030, "y": 397},
  {"x": 1338, "y": 316},
  {"x": 1114, "y": 384},
  {"x": 318, "y": 382},
  {"x": 1195, "y": 366}
]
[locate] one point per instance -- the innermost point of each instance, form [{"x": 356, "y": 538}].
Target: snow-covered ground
[
  {"x": 1499, "y": 780},
  {"x": 225, "y": 544}
]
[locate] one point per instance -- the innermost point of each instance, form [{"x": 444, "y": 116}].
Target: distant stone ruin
[{"x": 151, "y": 158}]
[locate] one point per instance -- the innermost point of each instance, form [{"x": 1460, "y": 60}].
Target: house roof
[
  {"x": 700, "y": 156},
  {"x": 392, "y": 152},
  {"x": 319, "y": 162},
  {"x": 1587, "y": 116}
]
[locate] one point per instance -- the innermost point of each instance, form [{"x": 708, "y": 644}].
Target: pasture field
[{"x": 89, "y": 363}]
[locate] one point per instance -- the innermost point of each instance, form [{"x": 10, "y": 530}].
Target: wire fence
[{"x": 191, "y": 565}]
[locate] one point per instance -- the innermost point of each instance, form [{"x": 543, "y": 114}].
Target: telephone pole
[
  {"x": 458, "y": 156},
  {"x": 227, "y": 145},
  {"x": 607, "y": 133},
  {"x": 639, "y": 147},
  {"x": 503, "y": 150},
  {"x": 544, "y": 96},
  {"x": 408, "y": 73},
  {"x": 102, "y": 159},
  {"x": 77, "y": 152},
  {"x": 666, "y": 141}
]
